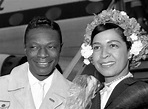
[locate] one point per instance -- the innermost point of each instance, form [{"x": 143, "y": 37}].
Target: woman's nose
[{"x": 105, "y": 53}]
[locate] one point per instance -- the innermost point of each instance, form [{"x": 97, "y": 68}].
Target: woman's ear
[
  {"x": 91, "y": 60},
  {"x": 129, "y": 55}
]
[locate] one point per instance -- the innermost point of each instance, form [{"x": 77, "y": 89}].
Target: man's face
[{"x": 42, "y": 50}]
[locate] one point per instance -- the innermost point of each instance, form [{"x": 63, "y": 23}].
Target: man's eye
[
  {"x": 33, "y": 47},
  {"x": 51, "y": 47}
]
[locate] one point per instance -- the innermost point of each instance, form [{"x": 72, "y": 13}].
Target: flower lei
[
  {"x": 132, "y": 31},
  {"x": 81, "y": 92}
]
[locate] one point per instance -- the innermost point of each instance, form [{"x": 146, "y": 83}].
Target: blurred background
[{"x": 73, "y": 17}]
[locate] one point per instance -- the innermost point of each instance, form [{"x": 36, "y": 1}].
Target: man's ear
[
  {"x": 61, "y": 46},
  {"x": 25, "y": 50}
]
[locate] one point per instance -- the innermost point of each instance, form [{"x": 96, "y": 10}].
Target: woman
[{"x": 113, "y": 43}]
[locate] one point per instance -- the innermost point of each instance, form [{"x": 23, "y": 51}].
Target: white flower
[
  {"x": 136, "y": 47},
  {"x": 86, "y": 50},
  {"x": 86, "y": 61},
  {"x": 123, "y": 13},
  {"x": 134, "y": 37}
]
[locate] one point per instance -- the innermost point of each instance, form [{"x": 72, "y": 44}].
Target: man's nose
[{"x": 42, "y": 52}]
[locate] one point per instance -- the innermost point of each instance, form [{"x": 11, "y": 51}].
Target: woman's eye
[
  {"x": 114, "y": 46},
  {"x": 96, "y": 47}
]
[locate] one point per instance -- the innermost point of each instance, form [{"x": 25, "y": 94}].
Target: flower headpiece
[{"x": 132, "y": 31}]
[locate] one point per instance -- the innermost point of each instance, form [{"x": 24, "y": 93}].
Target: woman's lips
[{"x": 107, "y": 64}]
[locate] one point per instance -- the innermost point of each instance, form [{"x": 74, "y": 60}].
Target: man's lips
[{"x": 43, "y": 64}]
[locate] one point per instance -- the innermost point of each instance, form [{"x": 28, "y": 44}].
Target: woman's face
[{"x": 110, "y": 54}]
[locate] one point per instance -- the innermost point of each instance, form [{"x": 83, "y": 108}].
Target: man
[{"x": 19, "y": 90}]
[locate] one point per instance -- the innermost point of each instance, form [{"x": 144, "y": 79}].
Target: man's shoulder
[
  {"x": 65, "y": 81},
  {"x": 4, "y": 81},
  {"x": 20, "y": 67}
]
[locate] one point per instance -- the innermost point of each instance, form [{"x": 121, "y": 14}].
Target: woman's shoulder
[
  {"x": 134, "y": 81},
  {"x": 129, "y": 92},
  {"x": 131, "y": 84},
  {"x": 136, "y": 85},
  {"x": 134, "y": 95}
]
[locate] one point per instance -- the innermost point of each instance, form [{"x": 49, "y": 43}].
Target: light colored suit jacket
[{"x": 15, "y": 91}]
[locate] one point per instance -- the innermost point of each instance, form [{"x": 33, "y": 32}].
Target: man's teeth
[{"x": 43, "y": 63}]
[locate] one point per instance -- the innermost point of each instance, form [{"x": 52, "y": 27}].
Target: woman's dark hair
[
  {"x": 42, "y": 22},
  {"x": 107, "y": 26}
]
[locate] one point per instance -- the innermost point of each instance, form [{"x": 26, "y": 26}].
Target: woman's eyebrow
[
  {"x": 95, "y": 43},
  {"x": 114, "y": 41}
]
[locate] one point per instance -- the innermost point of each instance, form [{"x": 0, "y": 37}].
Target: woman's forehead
[{"x": 107, "y": 35}]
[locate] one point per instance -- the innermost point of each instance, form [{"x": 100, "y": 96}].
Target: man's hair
[{"x": 42, "y": 22}]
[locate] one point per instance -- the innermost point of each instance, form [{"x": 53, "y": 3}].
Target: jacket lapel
[
  {"x": 96, "y": 101},
  {"x": 56, "y": 94},
  {"x": 19, "y": 87},
  {"x": 122, "y": 86},
  {"x": 24, "y": 98}
]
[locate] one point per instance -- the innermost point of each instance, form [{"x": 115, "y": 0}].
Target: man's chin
[{"x": 43, "y": 71}]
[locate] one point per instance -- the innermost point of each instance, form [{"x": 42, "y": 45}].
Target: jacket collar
[
  {"x": 19, "y": 85},
  {"x": 18, "y": 78},
  {"x": 122, "y": 86},
  {"x": 57, "y": 92}
]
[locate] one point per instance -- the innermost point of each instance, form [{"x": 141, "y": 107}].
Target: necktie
[{"x": 40, "y": 94}]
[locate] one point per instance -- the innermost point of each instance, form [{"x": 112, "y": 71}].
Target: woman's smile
[{"x": 107, "y": 64}]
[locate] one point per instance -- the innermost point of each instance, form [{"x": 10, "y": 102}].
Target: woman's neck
[
  {"x": 123, "y": 73},
  {"x": 117, "y": 79}
]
